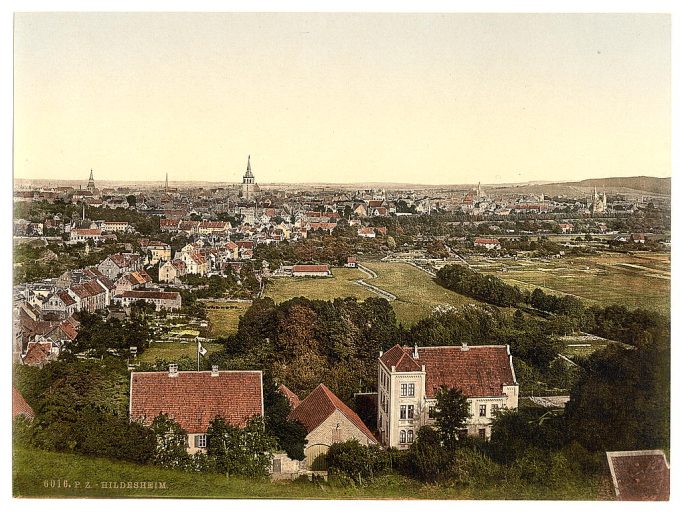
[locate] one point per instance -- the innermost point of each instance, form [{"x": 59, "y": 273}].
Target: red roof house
[
  {"x": 20, "y": 407},
  {"x": 194, "y": 399}
]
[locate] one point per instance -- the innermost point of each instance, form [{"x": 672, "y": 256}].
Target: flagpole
[{"x": 198, "y": 356}]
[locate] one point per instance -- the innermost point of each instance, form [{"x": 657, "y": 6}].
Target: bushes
[
  {"x": 356, "y": 462},
  {"x": 479, "y": 286}
]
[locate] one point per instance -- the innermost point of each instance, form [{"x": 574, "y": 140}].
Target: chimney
[
  {"x": 415, "y": 352},
  {"x": 215, "y": 371},
  {"x": 381, "y": 353},
  {"x": 172, "y": 370},
  {"x": 464, "y": 347}
]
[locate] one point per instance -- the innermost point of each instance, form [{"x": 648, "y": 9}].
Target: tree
[
  {"x": 427, "y": 459},
  {"x": 450, "y": 415},
  {"x": 171, "y": 443},
  {"x": 291, "y": 435},
  {"x": 131, "y": 200},
  {"x": 358, "y": 462},
  {"x": 246, "y": 451}
]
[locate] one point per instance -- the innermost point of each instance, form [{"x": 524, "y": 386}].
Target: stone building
[
  {"x": 409, "y": 378},
  {"x": 249, "y": 189}
]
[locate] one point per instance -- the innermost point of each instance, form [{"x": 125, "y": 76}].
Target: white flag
[{"x": 201, "y": 350}]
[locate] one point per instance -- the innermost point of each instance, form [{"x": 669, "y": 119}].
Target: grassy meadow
[
  {"x": 341, "y": 284},
  {"x": 224, "y": 322}
]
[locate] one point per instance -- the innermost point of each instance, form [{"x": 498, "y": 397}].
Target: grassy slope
[
  {"x": 631, "y": 280},
  {"x": 224, "y": 322},
  {"x": 174, "y": 350},
  {"x": 33, "y": 468},
  {"x": 340, "y": 285},
  {"x": 417, "y": 293}
]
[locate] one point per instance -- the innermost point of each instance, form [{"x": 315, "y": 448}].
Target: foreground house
[
  {"x": 311, "y": 271},
  {"x": 194, "y": 399},
  {"x": 640, "y": 475},
  {"x": 409, "y": 378},
  {"x": 327, "y": 420}
]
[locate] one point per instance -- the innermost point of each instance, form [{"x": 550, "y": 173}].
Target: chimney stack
[
  {"x": 464, "y": 347},
  {"x": 172, "y": 370},
  {"x": 215, "y": 371},
  {"x": 415, "y": 351}
]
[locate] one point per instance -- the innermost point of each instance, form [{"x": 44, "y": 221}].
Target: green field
[
  {"x": 224, "y": 322},
  {"x": 37, "y": 473},
  {"x": 320, "y": 288},
  {"x": 172, "y": 351},
  {"x": 417, "y": 293},
  {"x": 632, "y": 280}
]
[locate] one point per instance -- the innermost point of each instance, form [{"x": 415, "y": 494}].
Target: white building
[{"x": 409, "y": 378}]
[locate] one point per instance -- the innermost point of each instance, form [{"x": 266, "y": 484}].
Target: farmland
[
  {"x": 224, "y": 322},
  {"x": 633, "y": 280}
]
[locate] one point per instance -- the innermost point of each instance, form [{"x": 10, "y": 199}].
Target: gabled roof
[
  {"x": 319, "y": 405},
  {"x": 19, "y": 406},
  {"x": 65, "y": 298},
  {"x": 37, "y": 352},
  {"x": 194, "y": 399},
  {"x": 310, "y": 268},
  {"x": 400, "y": 359},
  {"x": 642, "y": 475},
  {"x": 477, "y": 370},
  {"x": 292, "y": 397}
]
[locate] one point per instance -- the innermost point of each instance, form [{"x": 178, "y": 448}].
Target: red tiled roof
[
  {"x": 65, "y": 297},
  {"x": 310, "y": 268},
  {"x": 486, "y": 241},
  {"x": 292, "y": 397},
  {"x": 148, "y": 294},
  {"x": 37, "y": 352},
  {"x": 193, "y": 399},
  {"x": 481, "y": 370},
  {"x": 319, "y": 405},
  {"x": 400, "y": 359},
  {"x": 88, "y": 232},
  {"x": 642, "y": 475},
  {"x": 19, "y": 406},
  {"x": 69, "y": 329}
]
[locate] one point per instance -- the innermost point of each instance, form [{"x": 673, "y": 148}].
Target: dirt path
[{"x": 378, "y": 291}]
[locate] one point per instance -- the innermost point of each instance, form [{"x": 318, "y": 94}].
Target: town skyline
[{"x": 342, "y": 98}]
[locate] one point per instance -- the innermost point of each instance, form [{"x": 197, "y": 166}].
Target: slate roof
[
  {"x": 477, "y": 370},
  {"x": 319, "y": 405},
  {"x": 193, "y": 399},
  {"x": 19, "y": 406},
  {"x": 642, "y": 475}
]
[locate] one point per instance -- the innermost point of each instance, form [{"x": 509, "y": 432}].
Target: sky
[{"x": 342, "y": 98}]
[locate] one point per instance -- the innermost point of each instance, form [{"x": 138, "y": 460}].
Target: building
[
  {"x": 249, "y": 189},
  {"x": 90, "y": 183},
  {"x": 112, "y": 226},
  {"x": 194, "y": 399},
  {"x": 116, "y": 264},
  {"x": 487, "y": 243},
  {"x": 640, "y": 475},
  {"x": 598, "y": 202},
  {"x": 171, "y": 271},
  {"x": 85, "y": 235},
  {"x": 132, "y": 281},
  {"x": 162, "y": 300},
  {"x": 20, "y": 407},
  {"x": 408, "y": 380},
  {"x": 155, "y": 250},
  {"x": 311, "y": 271},
  {"x": 566, "y": 228},
  {"x": 327, "y": 420},
  {"x": 638, "y": 238}
]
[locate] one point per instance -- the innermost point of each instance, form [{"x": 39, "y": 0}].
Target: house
[
  {"x": 196, "y": 263},
  {"x": 640, "y": 475},
  {"x": 39, "y": 353},
  {"x": 327, "y": 420},
  {"x": 171, "y": 271},
  {"x": 59, "y": 303},
  {"x": 408, "y": 380},
  {"x": 85, "y": 235},
  {"x": 162, "y": 300},
  {"x": 20, "y": 407},
  {"x": 194, "y": 399},
  {"x": 114, "y": 265},
  {"x": 132, "y": 281},
  {"x": 366, "y": 232},
  {"x": 112, "y": 226},
  {"x": 155, "y": 250},
  {"x": 487, "y": 243},
  {"x": 311, "y": 271},
  {"x": 170, "y": 225},
  {"x": 638, "y": 238},
  {"x": 213, "y": 227},
  {"x": 566, "y": 228},
  {"x": 351, "y": 262},
  {"x": 90, "y": 296}
]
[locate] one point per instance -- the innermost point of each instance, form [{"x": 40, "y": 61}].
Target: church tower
[
  {"x": 249, "y": 189},
  {"x": 90, "y": 183}
]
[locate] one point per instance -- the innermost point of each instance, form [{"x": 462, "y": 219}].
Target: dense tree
[{"x": 450, "y": 415}]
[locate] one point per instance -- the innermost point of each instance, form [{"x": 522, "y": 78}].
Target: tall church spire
[{"x": 90, "y": 183}]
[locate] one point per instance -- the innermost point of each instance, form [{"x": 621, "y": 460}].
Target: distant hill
[{"x": 661, "y": 186}]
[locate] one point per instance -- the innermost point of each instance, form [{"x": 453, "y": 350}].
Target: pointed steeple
[
  {"x": 91, "y": 175},
  {"x": 248, "y": 163}
]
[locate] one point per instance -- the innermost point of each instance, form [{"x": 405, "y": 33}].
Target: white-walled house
[{"x": 409, "y": 378}]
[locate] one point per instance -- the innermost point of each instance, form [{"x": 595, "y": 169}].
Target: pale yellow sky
[{"x": 414, "y": 98}]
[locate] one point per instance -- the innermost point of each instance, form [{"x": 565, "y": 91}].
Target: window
[
  {"x": 482, "y": 410},
  {"x": 201, "y": 441},
  {"x": 404, "y": 388},
  {"x": 402, "y": 436},
  {"x": 409, "y": 436},
  {"x": 409, "y": 410},
  {"x": 411, "y": 390},
  {"x": 430, "y": 411},
  {"x": 494, "y": 409},
  {"x": 402, "y": 412},
  {"x": 482, "y": 433}
]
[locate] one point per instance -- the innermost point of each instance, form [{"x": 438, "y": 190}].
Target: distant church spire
[
  {"x": 248, "y": 168},
  {"x": 90, "y": 183},
  {"x": 166, "y": 182}
]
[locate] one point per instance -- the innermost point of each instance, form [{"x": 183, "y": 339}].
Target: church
[{"x": 249, "y": 189}]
